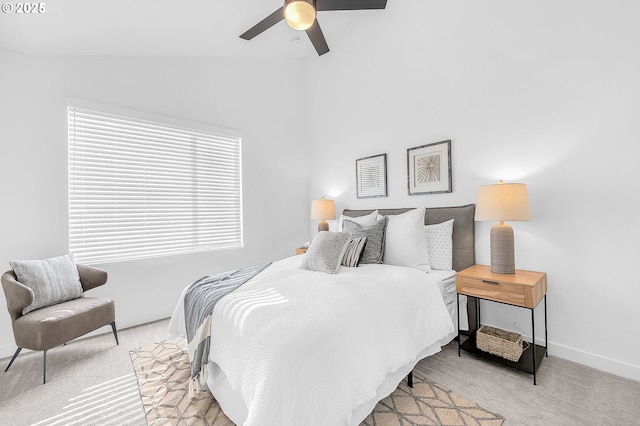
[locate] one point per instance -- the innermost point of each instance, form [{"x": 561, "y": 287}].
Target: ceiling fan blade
[
  {"x": 264, "y": 25},
  {"x": 317, "y": 38},
  {"x": 323, "y": 5}
]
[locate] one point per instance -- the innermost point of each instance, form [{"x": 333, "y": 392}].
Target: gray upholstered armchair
[{"x": 51, "y": 326}]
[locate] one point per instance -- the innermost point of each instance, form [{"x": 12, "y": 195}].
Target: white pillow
[
  {"x": 440, "y": 244},
  {"x": 405, "y": 242},
  {"x": 368, "y": 219}
]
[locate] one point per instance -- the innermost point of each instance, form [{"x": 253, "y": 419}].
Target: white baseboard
[
  {"x": 598, "y": 362},
  {"x": 619, "y": 368}
]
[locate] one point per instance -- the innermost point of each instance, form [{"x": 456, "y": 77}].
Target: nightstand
[
  {"x": 524, "y": 289},
  {"x": 301, "y": 250}
]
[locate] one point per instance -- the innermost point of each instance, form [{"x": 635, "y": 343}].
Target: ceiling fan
[{"x": 301, "y": 15}]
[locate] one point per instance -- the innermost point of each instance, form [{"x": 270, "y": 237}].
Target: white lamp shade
[
  {"x": 299, "y": 14},
  {"x": 504, "y": 201},
  {"x": 323, "y": 209}
]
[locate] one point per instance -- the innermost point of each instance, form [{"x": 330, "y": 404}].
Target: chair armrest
[
  {"x": 18, "y": 295},
  {"x": 91, "y": 277}
]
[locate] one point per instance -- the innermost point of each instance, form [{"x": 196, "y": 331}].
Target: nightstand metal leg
[
  {"x": 533, "y": 342},
  {"x": 458, "y": 311},
  {"x": 546, "y": 341}
]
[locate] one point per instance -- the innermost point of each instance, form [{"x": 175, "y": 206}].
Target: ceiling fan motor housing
[{"x": 299, "y": 14}]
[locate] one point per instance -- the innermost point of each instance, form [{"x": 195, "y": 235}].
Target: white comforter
[{"x": 307, "y": 348}]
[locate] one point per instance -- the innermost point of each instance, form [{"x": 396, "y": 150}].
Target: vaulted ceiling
[{"x": 168, "y": 28}]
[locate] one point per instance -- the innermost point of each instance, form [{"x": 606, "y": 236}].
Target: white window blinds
[{"x": 140, "y": 189}]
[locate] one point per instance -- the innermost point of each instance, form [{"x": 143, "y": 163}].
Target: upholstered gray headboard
[{"x": 464, "y": 252}]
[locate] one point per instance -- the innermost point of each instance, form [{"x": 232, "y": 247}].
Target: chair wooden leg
[
  {"x": 13, "y": 359},
  {"x": 44, "y": 368},
  {"x": 115, "y": 332}
]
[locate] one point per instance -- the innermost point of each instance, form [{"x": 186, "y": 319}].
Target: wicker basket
[{"x": 499, "y": 342}]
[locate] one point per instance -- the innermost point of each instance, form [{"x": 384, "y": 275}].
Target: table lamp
[
  {"x": 322, "y": 210},
  {"x": 504, "y": 201}
]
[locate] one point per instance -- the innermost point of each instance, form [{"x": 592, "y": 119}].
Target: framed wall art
[
  {"x": 429, "y": 168},
  {"x": 371, "y": 176}
]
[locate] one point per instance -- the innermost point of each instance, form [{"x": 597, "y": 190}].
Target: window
[{"x": 140, "y": 188}]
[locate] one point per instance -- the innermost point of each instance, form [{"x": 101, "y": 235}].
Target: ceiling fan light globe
[{"x": 299, "y": 14}]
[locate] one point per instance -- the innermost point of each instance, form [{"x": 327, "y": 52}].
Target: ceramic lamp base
[
  {"x": 502, "y": 251},
  {"x": 323, "y": 225}
]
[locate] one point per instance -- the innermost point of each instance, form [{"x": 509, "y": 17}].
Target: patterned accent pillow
[
  {"x": 354, "y": 252},
  {"x": 53, "y": 280},
  {"x": 440, "y": 243},
  {"x": 374, "y": 249},
  {"x": 326, "y": 252},
  {"x": 405, "y": 243}
]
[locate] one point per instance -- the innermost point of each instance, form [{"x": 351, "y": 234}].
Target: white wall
[
  {"x": 546, "y": 93},
  {"x": 246, "y": 94}
]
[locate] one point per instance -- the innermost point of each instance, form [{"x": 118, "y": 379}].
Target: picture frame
[
  {"x": 371, "y": 176},
  {"x": 429, "y": 168}
]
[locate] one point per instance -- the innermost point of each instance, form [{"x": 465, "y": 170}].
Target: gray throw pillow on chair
[{"x": 51, "y": 281}]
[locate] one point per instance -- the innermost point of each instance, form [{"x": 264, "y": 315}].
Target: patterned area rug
[{"x": 162, "y": 370}]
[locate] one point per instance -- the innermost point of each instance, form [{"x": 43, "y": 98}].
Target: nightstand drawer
[
  {"x": 524, "y": 288},
  {"x": 493, "y": 290}
]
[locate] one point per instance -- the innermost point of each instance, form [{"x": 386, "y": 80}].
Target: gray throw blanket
[{"x": 199, "y": 301}]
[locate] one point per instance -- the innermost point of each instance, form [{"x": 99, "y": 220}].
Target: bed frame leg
[{"x": 410, "y": 379}]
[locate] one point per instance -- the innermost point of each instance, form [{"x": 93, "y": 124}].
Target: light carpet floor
[
  {"x": 567, "y": 393},
  {"x": 162, "y": 370}
]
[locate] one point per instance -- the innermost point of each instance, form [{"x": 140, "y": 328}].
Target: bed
[
  {"x": 298, "y": 347},
  {"x": 463, "y": 253}
]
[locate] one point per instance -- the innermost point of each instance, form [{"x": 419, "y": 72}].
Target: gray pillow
[
  {"x": 326, "y": 252},
  {"x": 374, "y": 249},
  {"x": 51, "y": 281},
  {"x": 354, "y": 252}
]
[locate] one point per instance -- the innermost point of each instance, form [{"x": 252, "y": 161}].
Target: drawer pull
[{"x": 491, "y": 282}]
